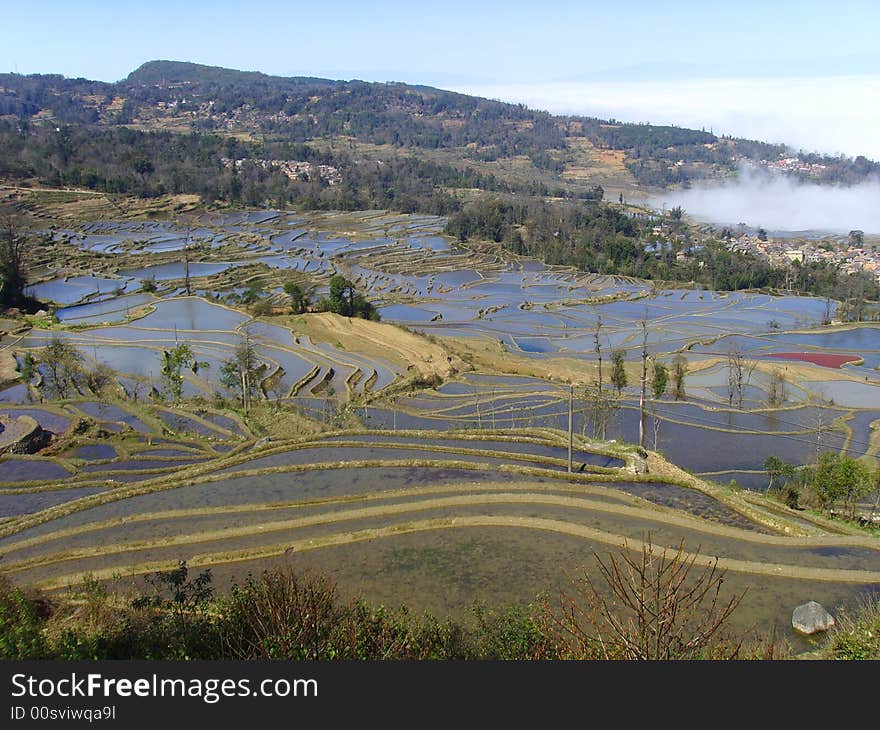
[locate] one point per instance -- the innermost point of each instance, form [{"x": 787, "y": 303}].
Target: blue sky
[
  {"x": 486, "y": 42},
  {"x": 639, "y": 61}
]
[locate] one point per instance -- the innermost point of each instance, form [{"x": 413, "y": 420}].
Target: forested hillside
[
  {"x": 502, "y": 172},
  {"x": 176, "y": 95}
]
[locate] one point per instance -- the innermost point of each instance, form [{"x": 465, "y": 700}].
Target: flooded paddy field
[
  {"x": 15, "y": 504},
  {"x": 431, "y": 486},
  {"x": 729, "y": 439},
  {"x": 290, "y": 506},
  {"x": 382, "y": 531},
  {"x": 417, "y": 278},
  {"x": 448, "y": 572}
]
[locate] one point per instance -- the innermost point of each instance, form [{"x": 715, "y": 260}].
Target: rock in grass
[{"x": 811, "y": 618}]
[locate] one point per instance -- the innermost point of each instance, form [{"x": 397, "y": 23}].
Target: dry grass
[
  {"x": 8, "y": 367},
  {"x": 73, "y": 206},
  {"x": 593, "y": 166},
  {"x": 283, "y": 422},
  {"x": 490, "y": 356},
  {"x": 377, "y": 340}
]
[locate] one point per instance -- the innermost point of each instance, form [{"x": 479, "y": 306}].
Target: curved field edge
[
  {"x": 653, "y": 512},
  {"x": 658, "y": 471},
  {"x": 535, "y": 523}
]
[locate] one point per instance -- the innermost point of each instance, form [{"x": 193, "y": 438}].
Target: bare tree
[
  {"x": 655, "y": 423},
  {"x": 275, "y": 387},
  {"x": 734, "y": 376},
  {"x": 819, "y": 428},
  {"x": 61, "y": 364},
  {"x": 731, "y": 378},
  {"x": 599, "y": 407},
  {"x": 776, "y": 389},
  {"x": 241, "y": 373},
  {"x": 679, "y": 372},
  {"x": 598, "y": 348},
  {"x": 186, "y": 279},
  {"x": 656, "y": 606}
]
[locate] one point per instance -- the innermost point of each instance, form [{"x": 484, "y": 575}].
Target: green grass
[{"x": 857, "y": 636}]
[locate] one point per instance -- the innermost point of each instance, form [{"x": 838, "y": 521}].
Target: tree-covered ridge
[
  {"x": 299, "y": 109},
  {"x": 121, "y": 160},
  {"x": 154, "y": 73},
  {"x": 599, "y": 238}
]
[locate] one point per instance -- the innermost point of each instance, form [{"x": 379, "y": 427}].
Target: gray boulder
[{"x": 811, "y": 618}]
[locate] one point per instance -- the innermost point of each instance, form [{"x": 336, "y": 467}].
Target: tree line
[{"x": 598, "y": 238}]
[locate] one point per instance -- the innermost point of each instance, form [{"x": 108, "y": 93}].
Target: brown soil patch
[{"x": 8, "y": 367}]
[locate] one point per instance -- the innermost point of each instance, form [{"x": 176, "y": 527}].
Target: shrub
[
  {"x": 22, "y": 619},
  {"x": 509, "y": 633},
  {"x": 282, "y": 616},
  {"x": 857, "y": 636}
]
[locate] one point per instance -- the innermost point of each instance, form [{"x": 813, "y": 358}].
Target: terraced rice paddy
[
  {"x": 395, "y": 499},
  {"x": 447, "y": 491}
]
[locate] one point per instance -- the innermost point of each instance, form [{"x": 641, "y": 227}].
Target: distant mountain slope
[
  {"x": 161, "y": 72},
  {"x": 526, "y": 180},
  {"x": 421, "y": 120}
]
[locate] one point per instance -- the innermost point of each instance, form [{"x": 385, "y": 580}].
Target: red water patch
[{"x": 825, "y": 359}]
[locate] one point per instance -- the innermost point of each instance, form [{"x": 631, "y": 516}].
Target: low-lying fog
[{"x": 779, "y": 203}]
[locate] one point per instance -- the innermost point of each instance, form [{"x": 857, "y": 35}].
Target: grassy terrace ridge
[
  {"x": 206, "y": 472},
  {"x": 756, "y": 508},
  {"x": 464, "y": 493},
  {"x": 580, "y": 489},
  {"x": 655, "y": 512},
  {"x": 834, "y": 575}
]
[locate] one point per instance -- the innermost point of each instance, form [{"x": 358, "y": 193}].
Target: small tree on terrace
[
  {"x": 241, "y": 373},
  {"x": 679, "y": 371},
  {"x": 173, "y": 362},
  {"x": 618, "y": 371},
  {"x": 12, "y": 272},
  {"x": 839, "y": 478},
  {"x": 659, "y": 380},
  {"x": 344, "y": 299},
  {"x": 299, "y": 299},
  {"x": 776, "y": 468},
  {"x": 61, "y": 365}
]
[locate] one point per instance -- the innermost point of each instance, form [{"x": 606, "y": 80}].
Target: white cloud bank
[
  {"x": 829, "y": 114},
  {"x": 780, "y": 203}
]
